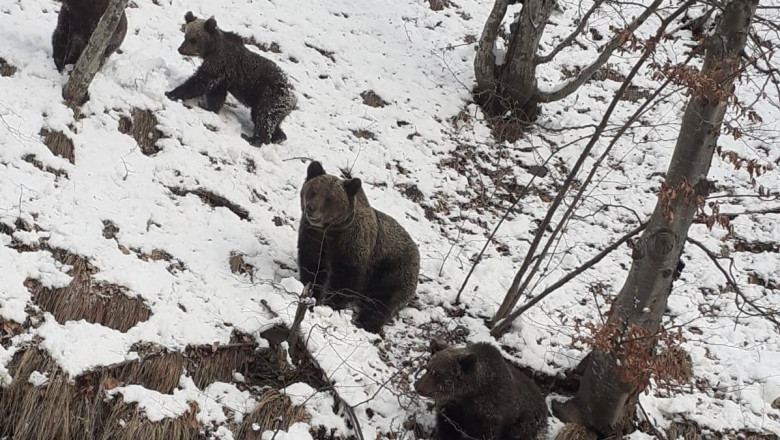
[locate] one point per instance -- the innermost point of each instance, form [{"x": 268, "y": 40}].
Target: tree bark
[
  {"x": 485, "y": 59},
  {"x": 603, "y": 399},
  {"x": 513, "y": 85},
  {"x": 517, "y": 80},
  {"x": 75, "y": 90}
]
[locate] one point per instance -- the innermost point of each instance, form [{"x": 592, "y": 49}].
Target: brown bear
[
  {"x": 228, "y": 66},
  {"x": 75, "y": 24},
  {"x": 478, "y": 395},
  {"x": 354, "y": 255}
]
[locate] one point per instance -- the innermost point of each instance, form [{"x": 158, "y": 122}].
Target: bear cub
[
  {"x": 354, "y": 255},
  {"x": 228, "y": 66},
  {"x": 75, "y": 24},
  {"x": 478, "y": 395}
]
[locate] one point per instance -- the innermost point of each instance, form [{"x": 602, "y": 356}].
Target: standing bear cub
[
  {"x": 228, "y": 66},
  {"x": 479, "y": 396},
  {"x": 354, "y": 255},
  {"x": 75, "y": 24}
]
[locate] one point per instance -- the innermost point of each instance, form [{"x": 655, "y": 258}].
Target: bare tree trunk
[
  {"x": 75, "y": 90},
  {"x": 513, "y": 85},
  {"x": 485, "y": 59},
  {"x": 517, "y": 81},
  {"x": 604, "y": 399}
]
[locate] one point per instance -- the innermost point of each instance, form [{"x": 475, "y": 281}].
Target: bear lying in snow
[
  {"x": 228, "y": 66},
  {"x": 353, "y": 254},
  {"x": 478, "y": 395}
]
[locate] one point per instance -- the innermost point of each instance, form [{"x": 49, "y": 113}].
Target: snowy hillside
[{"x": 186, "y": 247}]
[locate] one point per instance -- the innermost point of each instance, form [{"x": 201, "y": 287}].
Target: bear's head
[
  {"x": 448, "y": 376},
  {"x": 200, "y": 36},
  {"x": 327, "y": 200}
]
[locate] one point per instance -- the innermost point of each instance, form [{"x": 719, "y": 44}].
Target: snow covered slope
[{"x": 416, "y": 164}]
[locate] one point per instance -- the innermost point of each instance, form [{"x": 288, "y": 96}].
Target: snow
[{"x": 416, "y": 60}]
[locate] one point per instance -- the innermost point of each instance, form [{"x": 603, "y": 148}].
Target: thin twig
[{"x": 770, "y": 315}]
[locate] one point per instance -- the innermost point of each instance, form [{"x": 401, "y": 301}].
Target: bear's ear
[
  {"x": 189, "y": 17},
  {"x": 436, "y": 346},
  {"x": 315, "y": 169},
  {"x": 210, "y": 25},
  {"x": 467, "y": 362},
  {"x": 352, "y": 186}
]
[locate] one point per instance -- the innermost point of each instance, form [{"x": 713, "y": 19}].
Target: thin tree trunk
[
  {"x": 603, "y": 399},
  {"x": 75, "y": 90},
  {"x": 485, "y": 59},
  {"x": 517, "y": 81}
]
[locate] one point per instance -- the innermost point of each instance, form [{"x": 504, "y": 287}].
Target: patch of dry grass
[
  {"x": 59, "y": 144},
  {"x": 96, "y": 302},
  {"x": 142, "y": 126},
  {"x": 274, "y": 411}
]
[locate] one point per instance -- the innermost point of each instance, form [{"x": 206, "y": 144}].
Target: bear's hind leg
[{"x": 273, "y": 106}]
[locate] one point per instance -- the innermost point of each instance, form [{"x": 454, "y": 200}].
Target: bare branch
[
  {"x": 521, "y": 281},
  {"x": 571, "y": 275},
  {"x": 769, "y": 315},
  {"x": 572, "y": 85},
  {"x": 568, "y": 40}
]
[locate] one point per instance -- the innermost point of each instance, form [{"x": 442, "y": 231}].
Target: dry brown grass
[
  {"x": 160, "y": 372},
  {"x": 56, "y": 410},
  {"x": 100, "y": 303},
  {"x": 59, "y": 144},
  {"x": 274, "y": 411},
  {"x": 240, "y": 267},
  {"x": 209, "y": 364},
  {"x": 6, "y": 69},
  {"x": 127, "y": 422},
  {"x": 142, "y": 126}
]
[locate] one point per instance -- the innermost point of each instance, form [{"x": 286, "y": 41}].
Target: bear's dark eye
[{"x": 192, "y": 40}]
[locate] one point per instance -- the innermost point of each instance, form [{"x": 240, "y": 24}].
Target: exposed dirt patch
[
  {"x": 272, "y": 47},
  {"x": 371, "y": 99},
  {"x": 438, "y": 5},
  {"x": 175, "y": 265},
  {"x": 142, "y": 126},
  {"x": 326, "y": 53},
  {"x": 31, "y": 159},
  {"x": 110, "y": 229},
  {"x": 363, "y": 134},
  {"x": 239, "y": 266},
  {"x": 59, "y": 144},
  {"x": 212, "y": 199}
]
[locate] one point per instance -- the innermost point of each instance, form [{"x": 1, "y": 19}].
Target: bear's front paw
[
  {"x": 255, "y": 140},
  {"x": 171, "y": 96}
]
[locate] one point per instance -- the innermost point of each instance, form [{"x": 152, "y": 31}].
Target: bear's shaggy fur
[
  {"x": 75, "y": 24},
  {"x": 478, "y": 395},
  {"x": 228, "y": 66},
  {"x": 353, "y": 254}
]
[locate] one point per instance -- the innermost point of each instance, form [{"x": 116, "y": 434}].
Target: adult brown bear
[{"x": 354, "y": 255}]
